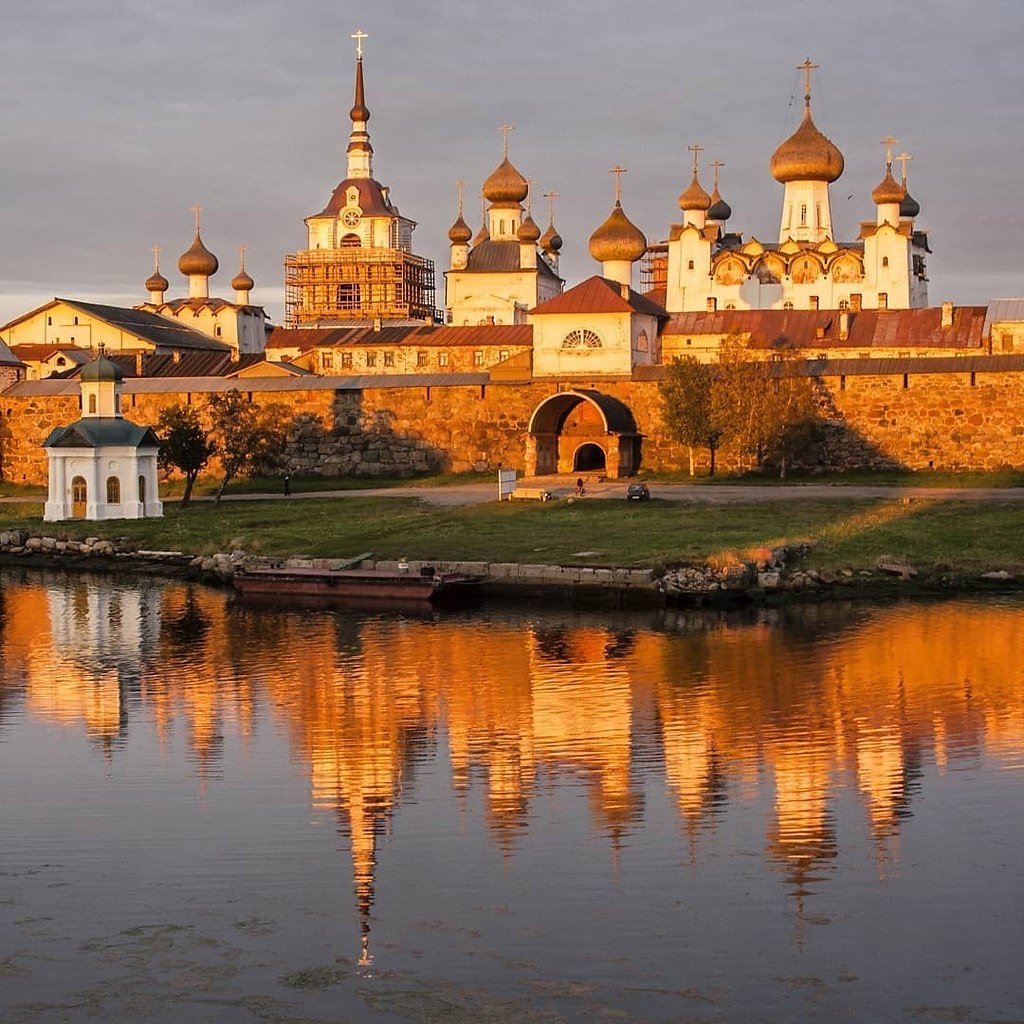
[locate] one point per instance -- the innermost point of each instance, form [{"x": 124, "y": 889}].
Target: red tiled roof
[
  {"x": 869, "y": 328},
  {"x": 599, "y": 295},
  {"x": 419, "y": 336}
]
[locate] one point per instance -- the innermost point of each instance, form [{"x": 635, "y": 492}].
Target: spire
[{"x": 360, "y": 152}]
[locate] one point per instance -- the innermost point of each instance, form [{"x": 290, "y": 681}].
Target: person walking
[{"x": 287, "y": 485}]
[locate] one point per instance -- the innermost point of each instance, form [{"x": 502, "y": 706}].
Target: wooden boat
[{"x": 355, "y": 587}]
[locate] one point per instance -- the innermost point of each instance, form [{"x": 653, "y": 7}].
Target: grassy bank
[{"x": 960, "y": 537}]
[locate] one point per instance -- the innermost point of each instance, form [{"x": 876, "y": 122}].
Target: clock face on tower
[{"x": 350, "y": 218}]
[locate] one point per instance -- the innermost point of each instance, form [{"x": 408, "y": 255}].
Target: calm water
[{"x": 211, "y": 813}]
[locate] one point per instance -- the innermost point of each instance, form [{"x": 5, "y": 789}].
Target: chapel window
[
  {"x": 689, "y": 265},
  {"x": 113, "y": 490},
  {"x": 803, "y": 215},
  {"x": 787, "y": 304},
  {"x": 885, "y": 261},
  {"x": 92, "y": 405}
]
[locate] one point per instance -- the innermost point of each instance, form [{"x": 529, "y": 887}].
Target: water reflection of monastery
[{"x": 731, "y": 716}]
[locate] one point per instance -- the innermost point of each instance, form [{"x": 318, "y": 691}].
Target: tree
[
  {"x": 184, "y": 445},
  {"x": 250, "y": 438},
  {"x": 689, "y": 407}
]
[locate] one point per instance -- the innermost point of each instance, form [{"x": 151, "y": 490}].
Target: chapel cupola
[
  {"x": 242, "y": 283},
  {"x": 888, "y": 193},
  {"x": 719, "y": 211},
  {"x": 909, "y": 206},
  {"x": 198, "y": 264},
  {"x": 504, "y": 191},
  {"x": 101, "y": 382},
  {"x": 618, "y": 243},
  {"x": 156, "y": 283},
  {"x": 806, "y": 163},
  {"x": 459, "y": 234},
  {"x": 694, "y": 201}
]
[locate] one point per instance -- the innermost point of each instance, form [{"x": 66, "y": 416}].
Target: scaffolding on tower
[{"x": 356, "y": 284}]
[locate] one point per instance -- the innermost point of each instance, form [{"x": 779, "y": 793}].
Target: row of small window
[
  {"x": 852, "y": 304},
  {"x": 346, "y": 360},
  {"x": 93, "y": 409}
]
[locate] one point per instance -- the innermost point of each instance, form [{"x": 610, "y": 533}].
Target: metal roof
[
  {"x": 599, "y": 295},
  {"x": 96, "y": 431}
]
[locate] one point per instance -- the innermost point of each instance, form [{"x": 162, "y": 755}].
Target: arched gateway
[{"x": 581, "y": 431}]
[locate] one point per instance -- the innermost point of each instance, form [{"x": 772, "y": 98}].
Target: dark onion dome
[
  {"x": 719, "y": 208},
  {"x": 551, "y": 240},
  {"x": 807, "y": 155},
  {"x": 528, "y": 230},
  {"x": 198, "y": 260},
  {"x": 101, "y": 369},
  {"x": 618, "y": 239},
  {"x": 483, "y": 234},
  {"x": 156, "y": 282},
  {"x": 242, "y": 282},
  {"x": 460, "y": 232},
  {"x": 888, "y": 190},
  {"x": 694, "y": 198},
  {"x": 505, "y": 184},
  {"x": 909, "y": 206}
]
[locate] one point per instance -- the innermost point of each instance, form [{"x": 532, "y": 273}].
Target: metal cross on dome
[
  {"x": 197, "y": 210},
  {"x": 807, "y": 67},
  {"x": 618, "y": 172},
  {"x": 695, "y": 149},
  {"x": 359, "y": 35},
  {"x": 903, "y": 158},
  {"x": 551, "y": 197},
  {"x": 715, "y": 165},
  {"x": 505, "y": 129},
  {"x": 156, "y": 257},
  {"x": 459, "y": 186},
  {"x": 889, "y": 142}
]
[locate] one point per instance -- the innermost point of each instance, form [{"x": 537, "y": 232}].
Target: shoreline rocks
[{"x": 767, "y": 576}]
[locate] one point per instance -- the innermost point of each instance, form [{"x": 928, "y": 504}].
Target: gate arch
[{"x": 579, "y": 421}]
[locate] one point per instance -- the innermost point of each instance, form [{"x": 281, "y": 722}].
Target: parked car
[{"x": 637, "y": 492}]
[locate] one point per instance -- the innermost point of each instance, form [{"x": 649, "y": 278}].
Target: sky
[{"x": 119, "y": 116}]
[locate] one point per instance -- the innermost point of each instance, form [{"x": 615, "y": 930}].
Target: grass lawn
[{"x": 959, "y": 536}]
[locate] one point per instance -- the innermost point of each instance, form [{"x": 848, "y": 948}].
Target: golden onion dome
[
  {"x": 888, "y": 190},
  {"x": 551, "y": 240},
  {"x": 528, "y": 230},
  {"x": 242, "y": 282},
  {"x": 909, "y": 206},
  {"x": 505, "y": 184},
  {"x": 618, "y": 239},
  {"x": 156, "y": 282},
  {"x": 198, "y": 260},
  {"x": 694, "y": 198},
  {"x": 807, "y": 155},
  {"x": 719, "y": 208},
  {"x": 460, "y": 232}
]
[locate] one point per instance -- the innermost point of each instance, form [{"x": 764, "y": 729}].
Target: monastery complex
[{"x": 389, "y": 370}]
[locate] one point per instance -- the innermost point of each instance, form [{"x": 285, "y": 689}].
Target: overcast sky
[{"x": 120, "y": 115}]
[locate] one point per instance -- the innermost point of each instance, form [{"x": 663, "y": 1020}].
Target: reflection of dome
[
  {"x": 198, "y": 260},
  {"x": 156, "y": 282},
  {"x": 888, "y": 190},
  {"x": 551, "y": 240},
  {"x": 694, "y": 198},
  {"x": 618, "y": 239},
  {"x": 909, "y": 206},
  {"x": 505, "y": 184},
  {"x": 101, "y": 368},
  {"x": 528, "y": 230},
  {"x": 242, "y": 282},
  {"x": 719, "y": 208},
  {"x": 807, "y": 155},
  {"x": 460, "y": 232}
]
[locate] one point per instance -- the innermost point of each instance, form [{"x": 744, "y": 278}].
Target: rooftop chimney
[
  {"x": 844, "y": 325},
  {"x": 947, "y": 314}
]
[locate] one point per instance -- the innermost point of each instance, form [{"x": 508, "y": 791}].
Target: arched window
[
  {"x": 803, "y": 215},
  {"x": 885, "y": 261},
  {"x": 581, "y": 339},
  {"x": 642, "y": 342},
  {"x": 350, "y": 242},
  {"x": 787, "y": 305},
  {"x": 113, "y": 490},
  {"x": 844, "y": 305},
  {"x": 92, "y": 405}
]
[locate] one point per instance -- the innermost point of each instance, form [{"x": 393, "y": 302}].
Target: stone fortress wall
[{"x": 940, "y": 420}]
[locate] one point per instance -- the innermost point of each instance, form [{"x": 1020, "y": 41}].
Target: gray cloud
[{"x": 119, "y": 116}]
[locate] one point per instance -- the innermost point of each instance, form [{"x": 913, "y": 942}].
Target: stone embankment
[{"x": 768, "y": 575}]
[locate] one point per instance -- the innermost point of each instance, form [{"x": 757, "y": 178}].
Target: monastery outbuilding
[{"x": 102, "y": 466}]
